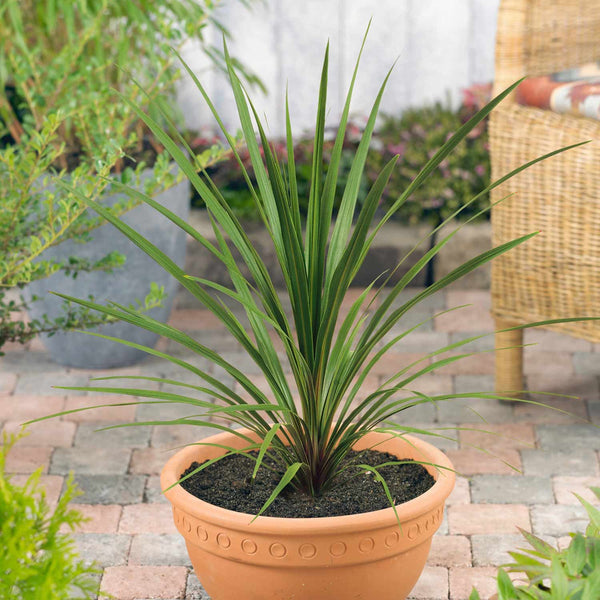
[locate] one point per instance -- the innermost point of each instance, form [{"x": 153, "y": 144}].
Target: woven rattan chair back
[{"x": 557, "y": 273}]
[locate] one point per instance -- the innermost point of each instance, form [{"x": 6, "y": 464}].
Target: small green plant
[
  {"x": 38, "y": 560},
  {"x": 553, "y": 574},
  {"x": 328, "y": 348}
]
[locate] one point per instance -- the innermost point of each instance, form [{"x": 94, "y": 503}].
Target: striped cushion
[{"x": 574, "y": 91}]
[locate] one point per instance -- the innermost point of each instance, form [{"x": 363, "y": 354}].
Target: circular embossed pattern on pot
[
  {"x": 337, "y": 549},
  {"x": 366, "y": 545},
  {"x": 278, "y": 550},
  {"x": 201, "y": 533},
  {"x": 249, "y": 547},
  {"x": 307, "y": 551}
]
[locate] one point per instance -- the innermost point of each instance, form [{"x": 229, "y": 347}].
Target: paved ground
[{"x": 130, "y": 532}]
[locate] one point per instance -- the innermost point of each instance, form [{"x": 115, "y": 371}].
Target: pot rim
[{"x": 385, "y": 517}]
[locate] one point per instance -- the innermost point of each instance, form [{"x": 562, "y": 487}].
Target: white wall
[{"x": 442, "y": 46}]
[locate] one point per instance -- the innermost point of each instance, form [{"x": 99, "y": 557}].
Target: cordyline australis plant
[{"x": 329, "y": 354}]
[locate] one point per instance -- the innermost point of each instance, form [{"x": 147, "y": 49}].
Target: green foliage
[
  {"x": 38, "y": 560},
  {"x": 415, "y": 137},
  {"x": 552, "y": 574},
  {"x": 68, "y": 54},
  {"x": 329, "y": 346}
]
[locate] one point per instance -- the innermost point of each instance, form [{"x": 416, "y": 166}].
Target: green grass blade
[
  {"x": 289, "y": 474},
  {"x": 292, "y": 177},
  {"x": 343, "y": 224},
  {"x": 378, "y": 477},
  {"x": 266, "y": 444},
  {"x": 314, "y": 248}
]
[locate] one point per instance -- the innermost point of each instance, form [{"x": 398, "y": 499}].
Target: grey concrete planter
[{"x": 123, "y": 286}]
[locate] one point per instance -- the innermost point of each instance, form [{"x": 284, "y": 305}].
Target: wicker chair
[{"x": 557, "y": 273}]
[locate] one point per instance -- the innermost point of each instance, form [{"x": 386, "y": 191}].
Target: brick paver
[
  {"x": 565, "y": 487},
  {"x": 111, "y": 489},
  {"x": 28, "y": 406},
  {"x": 505, "y": 489},
  {"x": 104, "y": 549},
  {"x": 51, "y": 485},
  {"x": 473, "y": 462},
  {"x": 100, "y": 518},
  {"x": 107, "y": 461},
  {"x": 555, "y": 519},
  {"x": 487, "y": 518},
  {"x": 450, "y": 551},
  {"x": 545, "y": 463},
  {"x": 130, "y": 531},
  {"x": 107, "y": 413},
  {"x": 433, "y": 583},
  {"x": 134, "y": 582},
  {"x": 158, "y": 549},
  {"x": 463, "y": 579},
  {"x": 497, "y": 437},
  {"x": 147, "y": 518},
  {"x": 489, "y": 550},
  {"x": 29, "y": 459},
  {"x": 49, "y": 433}
]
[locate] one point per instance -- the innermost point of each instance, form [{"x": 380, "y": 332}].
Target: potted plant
[
  {"x": 59, "y": 61},
  {"x": 317, "y": 432},
  {"x": 570, "y": 573}
]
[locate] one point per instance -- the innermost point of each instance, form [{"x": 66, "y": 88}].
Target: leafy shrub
[
  {"x": 38, "y": 561},
  {"x": 552, "y": 574},
  {"x": 68, "y": 55}
]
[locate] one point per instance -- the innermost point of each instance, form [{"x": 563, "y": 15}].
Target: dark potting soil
[{"x": 227, "y": 483}]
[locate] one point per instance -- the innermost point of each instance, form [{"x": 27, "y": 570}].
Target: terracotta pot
[{"x": 355, "y": 557}]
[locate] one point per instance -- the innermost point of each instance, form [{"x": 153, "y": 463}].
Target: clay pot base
[{"x": 355, "y": 492}]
